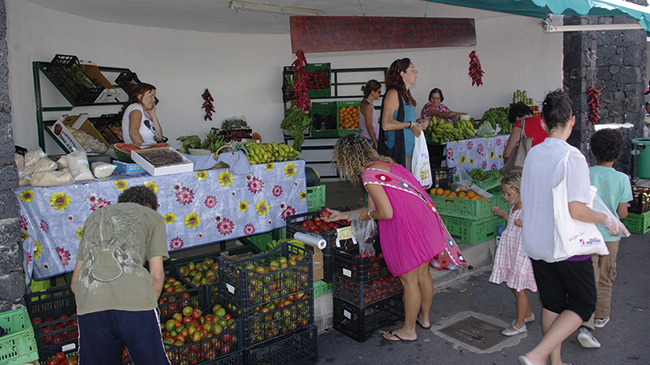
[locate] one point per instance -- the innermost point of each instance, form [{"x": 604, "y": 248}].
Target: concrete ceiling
[{"x": 215, "y": 15}]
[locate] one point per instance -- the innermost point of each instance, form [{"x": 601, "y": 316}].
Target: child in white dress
[{"x": 510, "y": 265}]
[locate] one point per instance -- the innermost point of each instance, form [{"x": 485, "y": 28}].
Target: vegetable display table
[
  {"x": 199, "y": 207},
  {"x": 481, "y": 152}
]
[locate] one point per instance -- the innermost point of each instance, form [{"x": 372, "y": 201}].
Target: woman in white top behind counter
[
  {"x": 140, "y": 124},
  {"x": 368, "y": 119}
]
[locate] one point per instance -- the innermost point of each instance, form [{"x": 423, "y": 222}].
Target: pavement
[{"x": 623, "y": 339}]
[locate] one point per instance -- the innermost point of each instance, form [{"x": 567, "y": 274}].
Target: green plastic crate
[
  {"x": 491, "y": 182},
  {"x": 472, "y": 231},
  {"x": 326, "y": 109},
  {"x": 464, "y": 208},
  {"x": 343, "y": 104},
  {"x": 322, "y": 288},
  {"x": 18, "y": 346},
  {"x": 323, "y": 68},
  {"x": 315, "y": 197},
  {"x": 260, "y": 240},
  {"x": 637, "y": 223}
]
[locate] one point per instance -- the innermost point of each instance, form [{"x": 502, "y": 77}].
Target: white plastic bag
[
  {"x": 365, "y": 232},
  {"x": 51, "y": 178},
  {"x": 102, "y": 169},
  {"x": 420, "y": 165},
  {"x": 78, "y": 165}
]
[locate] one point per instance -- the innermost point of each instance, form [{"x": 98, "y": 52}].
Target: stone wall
[
  {"x": 12, "y": 283},
  {"x": 614, "y": 62}
]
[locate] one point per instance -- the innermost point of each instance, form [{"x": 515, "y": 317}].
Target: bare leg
[
  {"x": 426, "y": 293},
  {"x": 556, "y": 329},
  {"x": 523, "y": 308},
  {"x": 412, "y": 302}
]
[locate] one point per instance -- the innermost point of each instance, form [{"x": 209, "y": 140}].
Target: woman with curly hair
[
  {"x": 398, "y": 115},
  {"x": 412, "y": 234}
]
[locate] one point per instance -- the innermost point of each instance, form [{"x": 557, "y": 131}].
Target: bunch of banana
[
  {"x": 270, "y": 245},
  {"x": 466, "y": 127},
  {"x": 283, "y": 152},
  {"x": 440, "y": 132},
  {"x": 270, "y": 152}
]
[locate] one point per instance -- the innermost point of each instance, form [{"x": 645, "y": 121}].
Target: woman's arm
[
  {"x": 135, "y": 118},
  {"x": 433, "y": 112},
  {"x": 580, "y": 211},
  {"x": 512, "y": 142},
  {"x": 378, "y": 195},
  {"x": 391, "y": 103},
  {"x": 366, "y": 109},
  {"x": 154, "y": 119}
]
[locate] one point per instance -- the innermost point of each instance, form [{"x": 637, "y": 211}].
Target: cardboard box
[
  {"x": 185, "y": 166},
  {"x": 128, "y": 168},
  {"x": 65, "y": 123},
  {"x": 318, "y": 265},
  {"x": 111, "y": 93}
]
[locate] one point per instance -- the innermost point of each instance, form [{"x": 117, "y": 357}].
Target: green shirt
[
  {"x": 613, "y": 188},
  {"x": 117, "y": 241}
]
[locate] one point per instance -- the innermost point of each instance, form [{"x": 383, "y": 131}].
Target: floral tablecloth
[
  {"x": 483, "y": 152},
  {"x": 199, "y": 207}
]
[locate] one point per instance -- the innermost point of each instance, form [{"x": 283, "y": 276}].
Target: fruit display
[
  {"x": 61, "y": 359},
  {"x": 498, "y": 116},
  {"x": 201, "y": 273},
  {"x": 175, "y": 295},
  {"x": 349, "y": 117},
  {"x": 361, "y": 322},
  {"x": 52, "y": 331},
  {"x": 195, "y": 335},
  {"x": 365, "y": 293},
  {"x": 272, "y": 244},
  {"x": 459, "y": 193},
  {"x": 278, "y": 317},
  {"x": 269, "y": 152},
  {"x": 352, "y": 265},
  {"x": 439, "y": 131},
  {"x": 123, "y": 150},
  {"x": 466, "y": 204}
]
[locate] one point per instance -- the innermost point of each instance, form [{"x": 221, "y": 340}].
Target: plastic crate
[
  {"x": 171, "y": 303},
  {"x": 319, "y": 68},
  {"x": 436, "y": 149},
  {"x": 442, "y": 177},
  {"x": 324, "y": 119},
  {"x": 18, "y": 346},
  {"x": 288, "y": 80},
  {"x": 640, "y": 202},
  {"x": 345, "y": 104},
  {"x": 472, "y": 231},
  {"x": 321, "y": 288},
  {"x": 66, "y": 72},
  {"x": 218, "y": 349},
  {"x": 346, "y": 264},
  {"x": 297, "y": 348},
  {"x": 365, "y": 293},
  {"x": 464, "y": 208},
  {"x": 316, "y": 197},
  {"x": 360, "y": 323},
  {"x": 261, "y": 326},
  {"x": 637, "y": 223},
  {"x": 211, "y": 289},
  {"x": 57, "y": 310},
  {"x": 493, "y": 181},
  {"x": 109, "y": 126},
  {"x": 294, "y": 222},
  {"x": 328, "y": 262},
  {"x": 126, "y": 80},
  {"x": 244, "y": 288}
]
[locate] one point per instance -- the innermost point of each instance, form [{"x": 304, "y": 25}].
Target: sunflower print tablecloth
[
  {"x": 198, "y": 207},
  {"x": 486, "y": 153}
]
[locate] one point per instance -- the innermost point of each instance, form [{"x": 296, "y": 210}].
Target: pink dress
[
  {"x": 416, "y": 233},
  {"x": 510, "y": 265}
]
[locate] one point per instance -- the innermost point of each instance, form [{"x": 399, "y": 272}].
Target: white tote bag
[
  {"x": 573, "y": 237},
  {"x": 420, "y": 166}
]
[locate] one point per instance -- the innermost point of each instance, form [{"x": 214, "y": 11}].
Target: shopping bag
[
  {"x": 573, "y": 237},
  {"x": 516, "y": 160},
  {"x": 420, "y": 165}
]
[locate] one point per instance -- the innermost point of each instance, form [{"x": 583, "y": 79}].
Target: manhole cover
[{"x": 475, "y": 332}]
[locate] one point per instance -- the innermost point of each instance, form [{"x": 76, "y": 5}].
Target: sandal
[{"x": 391, "y": 334}]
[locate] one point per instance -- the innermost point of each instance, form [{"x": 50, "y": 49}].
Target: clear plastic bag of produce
[
  {"x": 486, "y": 130},
  {"x": 365, "y": 232},
  {"x": 599, "y": 205}
]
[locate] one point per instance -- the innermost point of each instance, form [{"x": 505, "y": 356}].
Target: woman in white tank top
[
  {"x": 368, "y": 119},
  {"x": 140, "y": 123}
]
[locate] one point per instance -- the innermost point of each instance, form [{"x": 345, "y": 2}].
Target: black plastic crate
[
  {"x": 109, "y": 126},
  {"x": 360, "y": 323},
  {"x": 294, "y": 223},
  {"x": 126, "y": 80},
  {"x": 57, "y": 326},
  {"x": 327, "y": 267},
  {"x": 262, "y": 325},
  {"x": 171, "y": 303},
  {"x": 67, "y": 73},
  {"x": 207, "y": 268},
  {"x": 363, "y": 294},
  {"x": 242, "y": 287},
  {"x": 442, "y": 177},
  {"x": 347, "y": 264},
  {"x": 297, "y": 348}
]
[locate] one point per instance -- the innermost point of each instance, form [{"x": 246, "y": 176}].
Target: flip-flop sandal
[
  {"x": 421, "y": 326},
  {"x": 396, "y": 336}
]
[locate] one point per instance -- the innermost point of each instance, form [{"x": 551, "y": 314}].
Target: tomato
[
  {"x": 72, "y": 360},
  {"x": 325, "y": 213},
  {"x": 60, "y": 356},
  {"x": 197, "y": 313}
]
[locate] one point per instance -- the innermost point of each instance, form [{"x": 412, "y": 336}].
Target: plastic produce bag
[
  {"x": 599, "y": 205},
  {"x": 420, "y": 165},
  {"x": 486, "y": 130},
  {"x": 102, "y": 169},
  {"x": 365, "y": 232},
  {"x": 78, "y": 165}
]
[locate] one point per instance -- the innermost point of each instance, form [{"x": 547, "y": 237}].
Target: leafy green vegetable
[
  {"x": 295, "y": 123},
  {"x": 498, "y": 116},
  {"x": 190, "y": 142}
]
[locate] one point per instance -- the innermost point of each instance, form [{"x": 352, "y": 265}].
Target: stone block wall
[
  {"x": 614, "y": 62},
  {"x": 12, "y": 282}
]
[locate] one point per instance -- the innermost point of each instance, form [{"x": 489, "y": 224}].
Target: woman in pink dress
[{"x": 412, "y": 234}]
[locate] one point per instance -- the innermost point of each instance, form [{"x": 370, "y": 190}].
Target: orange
[
  {"x": 452, "y": 195},
  {"x": 470, "y": 194},
  {"x": 439, "y": 191}
]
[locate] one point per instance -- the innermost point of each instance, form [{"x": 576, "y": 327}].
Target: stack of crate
[
  {"x": 274, "y": 295},
  {"x": 366, "y": 295},
  {"x": 638, "y": 219}
]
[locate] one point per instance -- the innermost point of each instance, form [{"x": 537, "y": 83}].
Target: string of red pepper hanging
[
  {"x": 207, "y": 105},
  {"x": 475, "y": 70},
  {"x": 300, "y": 84},
  {"x": 594, "y": 104}
]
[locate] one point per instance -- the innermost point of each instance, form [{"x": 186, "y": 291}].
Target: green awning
[{"x": 541, "y": 8}]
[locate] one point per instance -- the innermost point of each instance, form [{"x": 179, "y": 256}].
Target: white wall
[{"x": 243, "y": 72}]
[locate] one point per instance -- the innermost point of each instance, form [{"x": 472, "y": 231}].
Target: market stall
[{"x": 199, "y": 207}]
